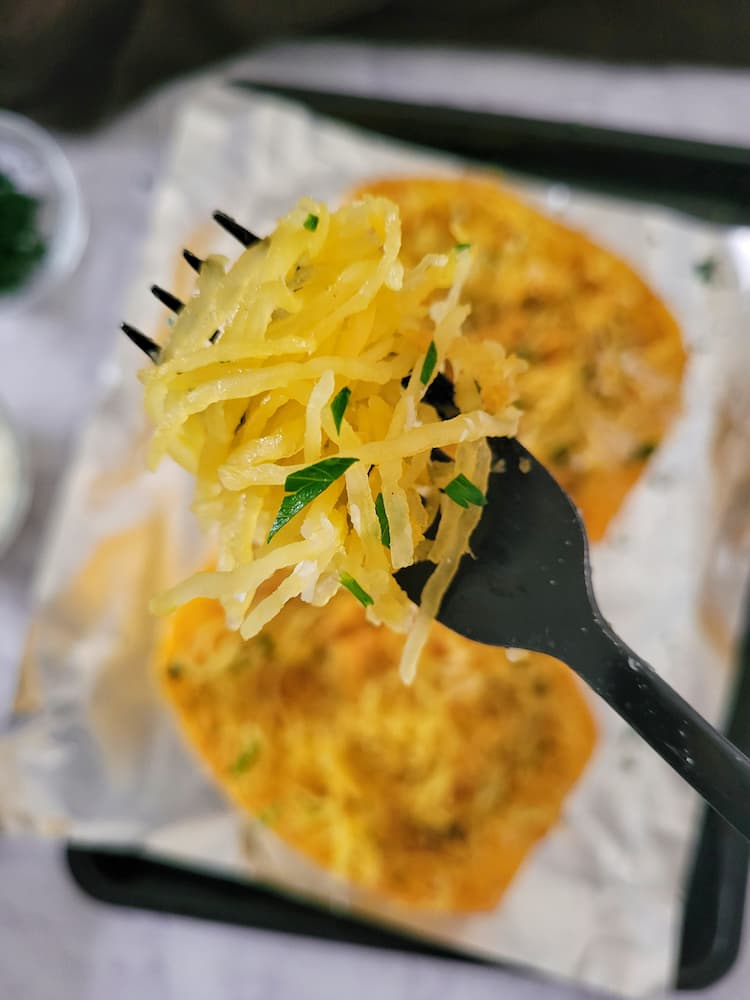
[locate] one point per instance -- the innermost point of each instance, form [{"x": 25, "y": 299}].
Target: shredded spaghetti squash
[{"x": 292, "y": 386}]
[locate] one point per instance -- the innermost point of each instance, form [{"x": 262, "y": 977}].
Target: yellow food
[
  {"x": 431, "y": 794},
  {"x": 605, "y": 357},
  {"x": 245, "y": 396}
]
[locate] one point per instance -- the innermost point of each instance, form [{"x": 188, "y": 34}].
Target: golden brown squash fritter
[
  {"x": 430, "y": 794},
  {"x": 605, "y": 356}
]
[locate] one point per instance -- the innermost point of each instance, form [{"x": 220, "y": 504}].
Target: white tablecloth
[{"x": 54, "y": 941}]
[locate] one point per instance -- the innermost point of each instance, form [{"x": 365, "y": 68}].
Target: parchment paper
[{"x": 95, "y": 756}]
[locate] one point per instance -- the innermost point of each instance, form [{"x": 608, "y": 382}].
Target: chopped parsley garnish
[
  {"x": 385, "y": 528},
  {"x": 561, "y": 454},
  {"x": 246, "y": 759},
  {"x": 21, "y": 245},
  {"x": 428, "y": 365},
  {"x": 463, "y": 492},
  {"x": 644, "y": 450},
  {"x": 525, "y": 353},
  {"x": 269, "y": 815},
  {"x": 175, "y": 670},
  {"x": 354, "y": 588},
  {"x": 706, "y": 269},
  {"x": 321, "y": 473},
  {"x": 311, "y": 222},
  {"x": 463, "y": 246},
  {"x": 305, "y": 485},
  {"x": 339, "y": 405},
  {"x": 267, "y": 644}
]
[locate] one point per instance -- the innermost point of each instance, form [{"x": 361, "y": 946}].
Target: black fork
[
  {"x": 175, "y": 305},
  {"x": 529, "y": 586}
]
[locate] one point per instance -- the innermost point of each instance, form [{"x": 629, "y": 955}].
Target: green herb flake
[
  {"x": 321, "y": 473},
  {"x": 267, "y": 645},
  {"x": 246, "y": 759},
  {"x": 385, "y": 528},
  {"x": 354, "y": 588},
  {"x": 312, "y": 804},
  {"x": 339, "y": 405},
  {"x": 525, "y": 353},
  {"x": 239, "y": 665},
  {"x": 463, "y": 246},
  {"x": 21, "y": 243},
  {"x": 305, "y": 486},
  {"x": 291, "y": 506},
  {"x": 175, "y": 671},
  {"x": 706, "y": 269},
  {"x": 560, "y": 455},
  {"x": 644, "y": 450},
  {"x": 269, "y": 815},
  {"x": 428, "y": 365},
  {"x": 311, "y": 222},
  {"x": 463, "y": 492}
]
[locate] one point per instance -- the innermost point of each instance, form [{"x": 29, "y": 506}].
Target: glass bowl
[{"x": 37, "y": 166}]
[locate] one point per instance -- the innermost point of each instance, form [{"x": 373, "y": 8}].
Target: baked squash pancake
[
  {"x": 430, "y": 794},
  {"x": 606, "y": 357}
]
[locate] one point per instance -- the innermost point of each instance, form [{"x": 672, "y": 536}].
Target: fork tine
[
  {"x": 167, "y": 298},
  {"x": 195, "y": 262},
  {"x": 227, "y": 223},
  {"x": 144, "y": 343},
  {"x": 141, "y": 341}
]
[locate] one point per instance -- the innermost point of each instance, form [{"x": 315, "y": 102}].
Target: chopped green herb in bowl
[
  {"x": 42, "y": 217},
  {"x": 21, "y": 243}
]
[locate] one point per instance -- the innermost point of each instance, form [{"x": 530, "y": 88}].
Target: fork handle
[{"x": 717, "y": 769}]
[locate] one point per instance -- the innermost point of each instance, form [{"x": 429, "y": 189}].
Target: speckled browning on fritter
[
  {"x": 605, "y": 356},
  {"x": 431, "y": 794}
]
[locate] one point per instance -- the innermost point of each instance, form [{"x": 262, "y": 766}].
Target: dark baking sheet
[
  {"x": 710, "y": 181},
  {"x": 705, "y": 179}
]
